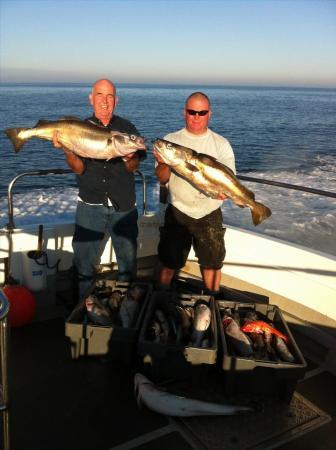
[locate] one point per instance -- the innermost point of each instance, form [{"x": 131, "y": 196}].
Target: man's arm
[
  {"x": 75, "y": 163},
  {"x": 162, "y": 170}
]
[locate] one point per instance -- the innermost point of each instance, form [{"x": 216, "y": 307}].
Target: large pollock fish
[
  {"x": 83, "y": 138},
  {"x": 210, "y": 176},
  {"x": 174, "y": 405}
]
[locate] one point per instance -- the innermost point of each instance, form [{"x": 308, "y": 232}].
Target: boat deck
[{"x": 57, "y": 403}]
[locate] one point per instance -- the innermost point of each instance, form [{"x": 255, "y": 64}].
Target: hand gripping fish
[
  {"x": 174, "y": 405},
  {"x": 210, "y": 176},
  {"x": 260, "y": 326},
  {"x": 83, "y": 138}
]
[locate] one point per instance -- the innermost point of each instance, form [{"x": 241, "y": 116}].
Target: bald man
[
  {"x": 106, "y": 197},
  {"x": 192, "y": 218}
]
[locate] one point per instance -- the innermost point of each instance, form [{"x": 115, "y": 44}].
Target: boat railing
[
  {"x": 163, "y": 190},
  {"x": 4, "y": 308},
  {"x": 295, "y": 187},
  {"x": 43, "y": 172}
]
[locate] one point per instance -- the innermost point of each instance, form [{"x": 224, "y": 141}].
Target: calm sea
[{"x": 284, "y": 134}]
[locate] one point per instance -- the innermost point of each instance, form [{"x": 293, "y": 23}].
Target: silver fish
[
  {"x": 115, "y": 299},
  {"x": 268, "y": 337},
  {"x": 259, "y": 344},
  {"x": 83, "y": 138},
  {"x": 210, "y": 176},
  {"x": 154, "y": 331},
  {"x": 201, "y": 323},
  {"x": 185, "y": 317},
  {"x": 129, "y": 309},
  {"x": 97, "y": 312},
  {"x": 162, "y": 320},
  {"x": 173, "y": 405},
  {"x": 282, "y": 349},
  {"x": 239, "y": 341},
  {"x": 137, "y": 292}
]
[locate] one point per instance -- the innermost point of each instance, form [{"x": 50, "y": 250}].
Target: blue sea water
[{"x": 284, "y": 134}]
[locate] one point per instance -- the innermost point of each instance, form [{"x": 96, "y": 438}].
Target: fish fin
[
  {"x": 240, "y": 204},
  {"x": 207, "y": 159},
  {"x": 259, "y": 213},
  {"x": 250, "y": 194},
  {"x": 137, "y": 396},
  {"x": 191, "y": 167},
  {"x": 71, "y": 118},
  {"x": 42, "y": 122},
  {"x": 13, "y": 135}
]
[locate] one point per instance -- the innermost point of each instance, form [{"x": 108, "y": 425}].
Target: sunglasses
[{"x": 192, "y": 112}]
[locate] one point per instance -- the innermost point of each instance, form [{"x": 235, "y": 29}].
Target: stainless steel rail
[
  {"x": 11, "y": 224},
  {"x": 288, "y": 186},
  {"x": 4, "y": 397},
  {"x": 144, "y": 190},
  {"x": 295, "y": 187}
]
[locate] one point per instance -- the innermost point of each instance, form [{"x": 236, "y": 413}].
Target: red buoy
[{"x": 22, "y": 304}]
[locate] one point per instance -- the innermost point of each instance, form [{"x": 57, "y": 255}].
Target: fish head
[
  {"x": 202, "y": 316},
  {"x": 170, "y": 153},
  {"x": 140, "y": 379},
  {"x": 128, "y": 143}
]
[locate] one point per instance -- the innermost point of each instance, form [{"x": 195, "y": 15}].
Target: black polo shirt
[{"x": 103, "y": 180}]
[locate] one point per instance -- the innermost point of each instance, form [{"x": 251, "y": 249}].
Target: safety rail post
[
  {"x": 4, "y": 396},
  {"x": 144, "y": 191},
  {"x": 11, "y": 224}
]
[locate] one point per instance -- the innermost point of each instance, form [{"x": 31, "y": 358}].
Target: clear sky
[{"x": 255, "y": 42}]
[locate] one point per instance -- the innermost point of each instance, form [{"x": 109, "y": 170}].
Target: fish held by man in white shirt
[{"x": 209, "y": 176}]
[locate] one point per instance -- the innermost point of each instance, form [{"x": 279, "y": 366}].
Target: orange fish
[{"x": 260, "y": 327}]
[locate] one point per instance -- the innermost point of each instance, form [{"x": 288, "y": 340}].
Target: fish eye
[
  {"x": 169, "y": 146},
  {"x": 132, "y": 137}
]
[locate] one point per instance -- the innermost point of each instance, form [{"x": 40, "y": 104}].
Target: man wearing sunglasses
[{"x": 192, "y": 218}]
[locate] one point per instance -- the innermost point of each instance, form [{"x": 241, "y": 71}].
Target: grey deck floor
[{"x": 87, "y": 404}]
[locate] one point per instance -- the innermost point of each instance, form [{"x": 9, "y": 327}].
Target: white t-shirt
[{"x": 182, "y": 194}]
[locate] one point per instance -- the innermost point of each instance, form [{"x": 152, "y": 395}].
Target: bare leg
[
  {"x": 211, "y": 278},
  {"x": 166, "y": 275}
]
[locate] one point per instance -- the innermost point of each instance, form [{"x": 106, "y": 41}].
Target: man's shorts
[{"x": 181, "y": 231}]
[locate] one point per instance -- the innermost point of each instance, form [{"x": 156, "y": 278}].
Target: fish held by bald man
[
  {"x": 85, "y": 139},
  {"x": 209, "y": 176}
]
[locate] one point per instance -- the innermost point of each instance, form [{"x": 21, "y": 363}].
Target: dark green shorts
[{"x": 180, "y": 232}]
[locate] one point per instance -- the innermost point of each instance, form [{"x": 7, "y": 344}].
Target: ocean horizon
[
  {"x": 166, "y": 85},
  {"x": 285, "y": 134}
]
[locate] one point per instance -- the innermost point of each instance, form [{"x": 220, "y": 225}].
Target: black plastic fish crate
[
  {"x": 249, "y": 375},
  {"x": 176, "y": 360},
  {"x": 116, "y": 343}
]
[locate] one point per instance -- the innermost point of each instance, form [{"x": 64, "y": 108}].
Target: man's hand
[
  {"x": 55, "y": 140},
  {"x": 131, "y": 161},
  {"x": 158, "y": 157},
  {"x": 75, "y": 163},
  {"x": 57, "y": 143},
  {"x": 129, "y": 156}
]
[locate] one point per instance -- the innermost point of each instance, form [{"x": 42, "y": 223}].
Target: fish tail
[
  {"x": 17, "y": 141},
  {"x": 259, "y": 213}
]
